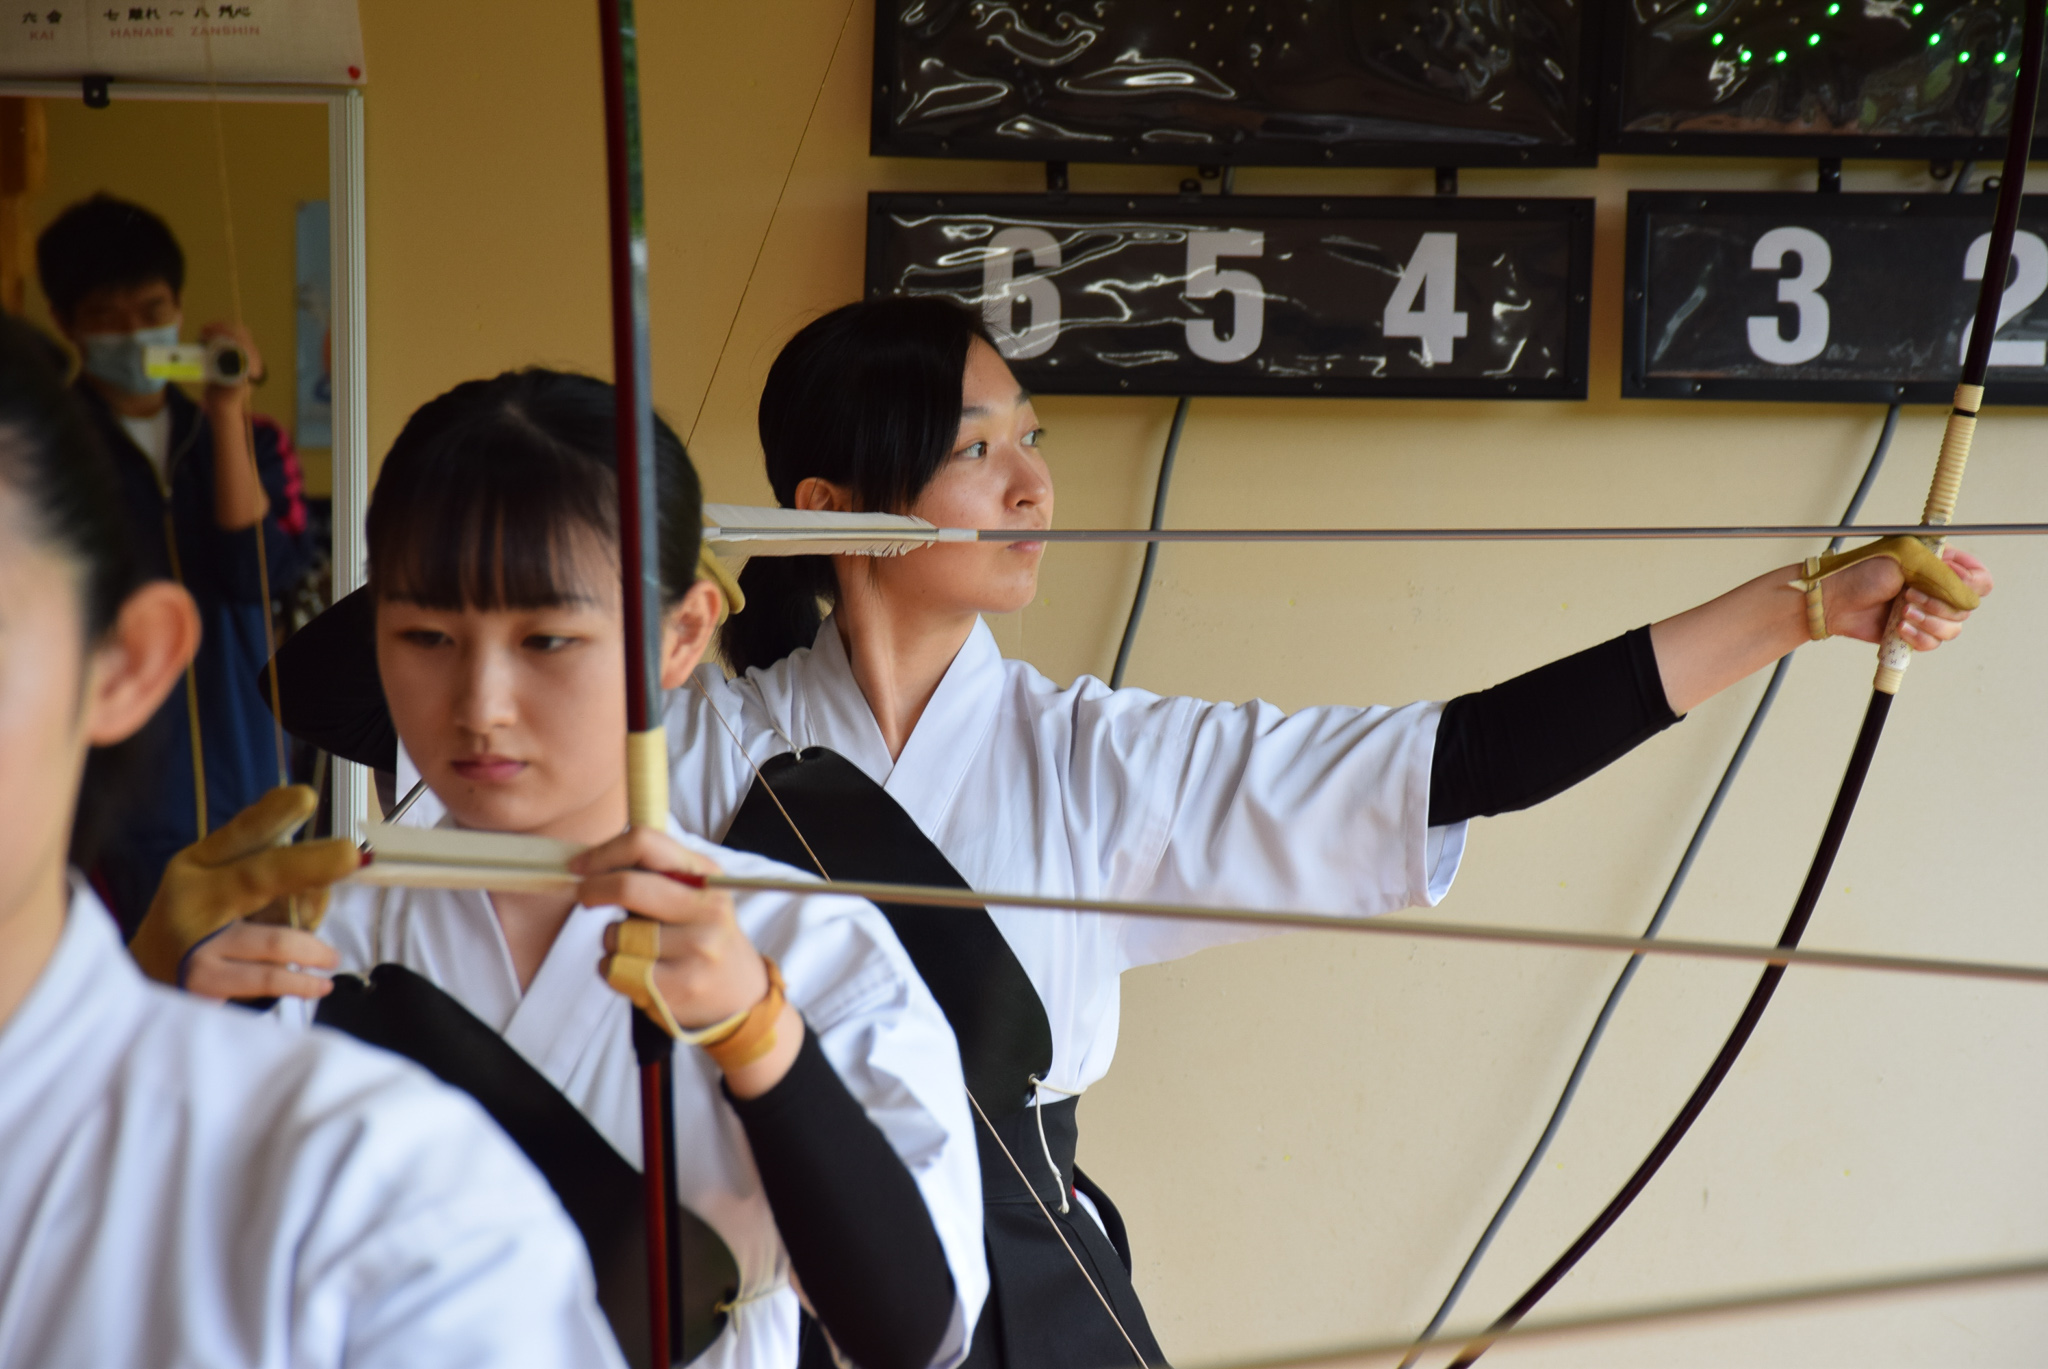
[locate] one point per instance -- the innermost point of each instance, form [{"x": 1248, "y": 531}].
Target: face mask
[{"x": 116, "y": 358}]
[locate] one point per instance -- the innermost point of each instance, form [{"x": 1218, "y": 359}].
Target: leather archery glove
[
  {"x": 242, "y": 870},
  {"x": 1923, "y": 568}
]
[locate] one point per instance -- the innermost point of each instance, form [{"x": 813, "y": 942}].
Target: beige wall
[
  {"x": 163, "y": 155},
  {"x": 1307, "y": 1134}
]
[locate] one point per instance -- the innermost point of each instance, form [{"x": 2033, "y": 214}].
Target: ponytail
[
  {"x": 867, "y": 397},
  {"x": 782, "y": 610}
]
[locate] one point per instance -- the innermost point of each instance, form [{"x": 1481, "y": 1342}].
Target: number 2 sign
[{"x": 1099, "y": 294}]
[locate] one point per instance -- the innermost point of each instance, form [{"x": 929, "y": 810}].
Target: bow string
[{"x": 1894, "y": 656}]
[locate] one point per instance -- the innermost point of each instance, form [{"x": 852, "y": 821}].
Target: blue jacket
[{"x": 175, "y": 534}]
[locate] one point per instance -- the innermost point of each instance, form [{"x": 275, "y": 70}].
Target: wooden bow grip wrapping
[
  {"x": 632, "y": 966},
  {"x": 1893, "y": 654}
]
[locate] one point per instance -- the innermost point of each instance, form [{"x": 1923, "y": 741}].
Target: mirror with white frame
[{"x": 261, "y": 189}]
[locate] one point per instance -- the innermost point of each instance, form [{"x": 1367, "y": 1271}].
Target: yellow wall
[
  {"x": 1307, "y": 1134},
  {"x": 162, "y": 155}
]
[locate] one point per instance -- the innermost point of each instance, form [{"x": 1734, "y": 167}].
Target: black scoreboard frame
[
  {"x": 1584, "y": 150},
  {"x": 1636, "y": 383},
  {"x": 1576, "y": 215},
  {"x": 1613, "y": 138}
]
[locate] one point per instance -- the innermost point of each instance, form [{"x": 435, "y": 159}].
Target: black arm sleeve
[
  {"x": 1537, "y": 735},
  {"x": 328, "y": 685},
  {"x": 859, "y": 1235}
]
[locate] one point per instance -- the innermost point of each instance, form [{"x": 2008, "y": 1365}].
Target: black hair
[
  {"x": 483, "y": 495},
  {"x": 101, "y": 242},
  {"x": 867, "y": 397},
  {"x": 51, "y": 458}
]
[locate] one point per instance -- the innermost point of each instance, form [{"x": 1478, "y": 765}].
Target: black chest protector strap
[
  {"x": 860, "y": 833},
  {"x": 405, "y": 1013}
]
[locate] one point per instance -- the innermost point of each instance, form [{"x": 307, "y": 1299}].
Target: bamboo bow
[
  {"x": 640, "y": 582},
  {"x": 1894, "y": 655}
]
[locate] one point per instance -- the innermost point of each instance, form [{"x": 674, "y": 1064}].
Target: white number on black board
[
  {"x": 1002, "y": 289},
  {"x": 1431, "y": 274},
  {"x": 1766, "y": 336},
  {"x": 1248, "y": 315},
  {"x": 2029, "y": 279}
]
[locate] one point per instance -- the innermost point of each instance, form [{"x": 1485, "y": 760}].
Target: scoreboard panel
[
  {"x": 1815, "y": 78},
  {"x": 1101, "y": 294},
  {"x": 1826, "y": 297},
  {"x": 1313, "y": 82}
]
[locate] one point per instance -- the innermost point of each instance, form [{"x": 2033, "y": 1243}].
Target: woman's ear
[
  {"x": 817, "y": 493},
  {"x": 686, "y": 631},
  {"x": 153, "y": 639}
]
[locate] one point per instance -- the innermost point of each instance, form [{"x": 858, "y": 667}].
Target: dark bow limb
[
  {"x": 640, "y": 577},
  {"x": 1894, "y": 656}
]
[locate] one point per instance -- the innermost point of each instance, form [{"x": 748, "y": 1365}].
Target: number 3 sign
[{"x": 1193, "y": 295}]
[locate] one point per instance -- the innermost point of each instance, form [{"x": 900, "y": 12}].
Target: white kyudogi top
[
  {"x": 184, "y": 1183},
  {"x": 1028, "y": 787},
  {"x": 873, "y": 1018}
]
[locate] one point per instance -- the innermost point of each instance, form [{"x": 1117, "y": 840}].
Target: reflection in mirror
[{"x": 176, "y": 246}]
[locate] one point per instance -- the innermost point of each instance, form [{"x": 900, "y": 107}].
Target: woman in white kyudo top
[
  {"x": 180, "y": 1183},
  {"x": 901, "y": 746},
  {"x": 841, "y": 1160},
  {"x": 1024, "y": 785}
]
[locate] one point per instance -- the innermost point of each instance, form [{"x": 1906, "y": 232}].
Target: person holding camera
[{"x": 204, "y": 483}]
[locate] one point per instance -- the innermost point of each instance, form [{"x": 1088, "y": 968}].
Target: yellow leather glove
[
  {"x": 242, "y": 870},
  {"x": 1923, "y": 568}
]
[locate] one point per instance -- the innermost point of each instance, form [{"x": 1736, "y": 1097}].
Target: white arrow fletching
[{"x": 737, "y": 531}]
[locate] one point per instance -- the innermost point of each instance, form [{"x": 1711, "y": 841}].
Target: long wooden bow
[
  {"x": 1894, "y": 655},
  {"x": 641, "y": 597}
]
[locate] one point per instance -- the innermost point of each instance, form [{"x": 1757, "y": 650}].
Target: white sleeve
[
  {"x": 1323, "y": 810},
  {"x": 709, "y": 774},
  {"x": 436, "y": 1243},
  {"x": 884, "y": 1034}
]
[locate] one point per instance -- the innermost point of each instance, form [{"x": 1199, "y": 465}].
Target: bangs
[{"x": 494, "y": 515}]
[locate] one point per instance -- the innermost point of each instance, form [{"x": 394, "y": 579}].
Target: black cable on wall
[{"x": 1123, "y": 651}]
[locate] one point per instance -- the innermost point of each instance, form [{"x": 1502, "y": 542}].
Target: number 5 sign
[{"x": 1193, "y": 295}]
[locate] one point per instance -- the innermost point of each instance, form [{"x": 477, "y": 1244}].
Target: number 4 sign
[{"x": 1432, "y": 274}]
